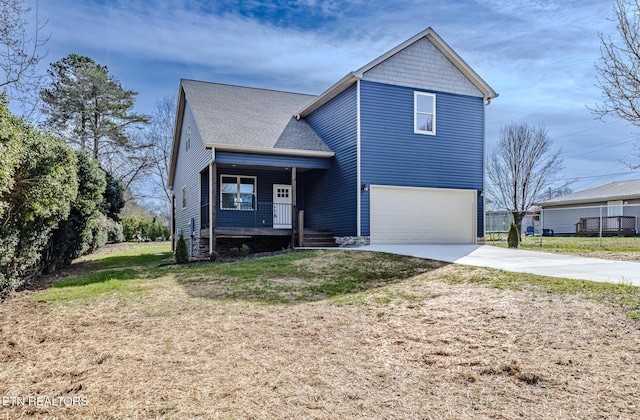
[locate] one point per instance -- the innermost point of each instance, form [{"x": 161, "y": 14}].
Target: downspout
[
  {"x": 487, "y": 102},
  {"x": 358, "y": 156}
]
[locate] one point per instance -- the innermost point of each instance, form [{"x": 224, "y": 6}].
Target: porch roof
[{"x": 271, "y": 160}]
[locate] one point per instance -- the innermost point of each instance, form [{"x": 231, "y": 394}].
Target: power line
[
  {"x": 611, "y": 142},
  {"x": 599, "y": 176},
  {"x": 585, "y": 130},
  {"x": 597, "y": 150}
]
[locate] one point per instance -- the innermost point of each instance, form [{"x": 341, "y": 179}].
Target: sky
[{"x": 538, "y": 55}]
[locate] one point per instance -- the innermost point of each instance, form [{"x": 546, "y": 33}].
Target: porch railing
[
  {"x": 611, "y": 226},
  {"x": 262, "y": 215}
]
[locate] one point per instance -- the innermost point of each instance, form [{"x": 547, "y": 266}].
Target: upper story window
[
  {"x": 237, "y": 192},
  {"x": 184, "y": 197},
  {"x": 424, "y": 107},
  {"x": 187, "y": 140}
]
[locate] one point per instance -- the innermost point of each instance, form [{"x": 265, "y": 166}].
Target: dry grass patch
[{"x": 423, "y": 347}]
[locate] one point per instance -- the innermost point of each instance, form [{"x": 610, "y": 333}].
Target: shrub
[
  {"x": 147, "y": 227},
  {"x": 114, "y": 234},
  {"x": 95, "y": 234},
  {"x": 213, "y": 256},
  {"x": 245, "y": 250},
  {"x": 182, "y": 253},
  {"x": 85, "y": 229},
  {"x": 234, "y": 252},
  {"x": 512, "y": 237},
  {"x": 113, "y": 198},
  {"x": 37, "y": 185}
]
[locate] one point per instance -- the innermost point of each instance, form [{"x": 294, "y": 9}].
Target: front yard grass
[
  {"x": 318, "y": 334},
  {"x": 609, "y": 248}
]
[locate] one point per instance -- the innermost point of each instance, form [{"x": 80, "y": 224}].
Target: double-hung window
[
  {"x": 424, "y": 107},
  {"x": 237, "y": 192}
]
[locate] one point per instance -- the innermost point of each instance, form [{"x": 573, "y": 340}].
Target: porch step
[{"x": 318, "y": 238}]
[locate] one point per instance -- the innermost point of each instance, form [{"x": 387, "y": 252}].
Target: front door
[{"x": 281, "y": 206}]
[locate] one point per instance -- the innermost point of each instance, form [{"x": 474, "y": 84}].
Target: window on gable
[
  {"x": 187, "y": 140},
  {"x": 424, "y": 105},
  {"x": 184, "y": 197},
  {"x": 237, "y": 192}
]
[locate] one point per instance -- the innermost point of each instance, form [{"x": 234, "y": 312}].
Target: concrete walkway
[{"x": 521, "y": 261}]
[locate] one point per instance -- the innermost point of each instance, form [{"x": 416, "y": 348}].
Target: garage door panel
[{"x": 422, "y": 215}]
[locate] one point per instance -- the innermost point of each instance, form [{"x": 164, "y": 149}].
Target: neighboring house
[
  {"x": 393, "y": 152},
  {"x": 499, "y": 222},
  {"x": 617, "y": 204}
]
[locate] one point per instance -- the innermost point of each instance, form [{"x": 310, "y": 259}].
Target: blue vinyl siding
[
  {"x": 279, "y": 161},
  {"x": 392, "y": 154},
  {"x": 331, "y": 196},
  {"x": 264, "y": 189}
]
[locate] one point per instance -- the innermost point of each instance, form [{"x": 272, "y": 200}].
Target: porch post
[
  {"x": 213, "y": 177},
  {"x": 294, "y": 202}
]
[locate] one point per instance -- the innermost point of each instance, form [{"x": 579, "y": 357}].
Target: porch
[
  {"x": 262, "y": 219},
  {"x": 607, "y": 226},
  {"x": 248, "y": 195}
]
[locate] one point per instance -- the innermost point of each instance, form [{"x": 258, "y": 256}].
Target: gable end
[{"x": 422, "y": 65}]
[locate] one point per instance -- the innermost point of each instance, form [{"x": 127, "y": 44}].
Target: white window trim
[
  {"x": 255, "y": 191},
  {"x": 184, "y": 197},
  {"x": 415, "y": 113}
]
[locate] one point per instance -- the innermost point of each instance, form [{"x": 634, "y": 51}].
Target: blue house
[{"x": 391, "y": 153}]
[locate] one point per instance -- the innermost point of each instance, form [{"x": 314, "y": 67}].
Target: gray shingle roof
[
  {"x": 613, "y": 191},
  {"x": 240, "y": 116}
]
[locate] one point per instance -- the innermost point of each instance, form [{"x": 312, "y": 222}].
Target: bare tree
[
  {"x": 619, "y": 68},
  {"x": 130, "y": 163},
  {"x": 521, "y": 167},
  {"x": 19, "y": 54},
  {"x": 161, "y": 139},
  {"x": 151, "y": 191}
]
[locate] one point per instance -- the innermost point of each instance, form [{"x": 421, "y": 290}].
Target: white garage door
[{"x": 404, "y": 215}]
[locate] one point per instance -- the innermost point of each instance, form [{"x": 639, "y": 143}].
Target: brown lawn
[{"x": 422, "y": 348}]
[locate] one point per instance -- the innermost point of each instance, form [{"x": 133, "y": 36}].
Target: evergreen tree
[
  {"x": 182, "y": 252},
  {"x": 88, "y": 107}
]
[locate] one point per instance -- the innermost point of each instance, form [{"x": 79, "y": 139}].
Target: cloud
[
  {"x": 230, "y": 42},
  {"x": 538, "y": 55}
]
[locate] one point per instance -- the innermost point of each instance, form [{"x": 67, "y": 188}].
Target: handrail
[
  {"x": 610, "y": 224},
  {"x": 263, "y": 214}
]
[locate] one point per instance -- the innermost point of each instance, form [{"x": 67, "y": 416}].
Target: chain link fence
[{"x": 578, "y": 221}]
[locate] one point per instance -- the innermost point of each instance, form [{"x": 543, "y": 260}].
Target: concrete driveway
[{"x": 521, "y": 261}]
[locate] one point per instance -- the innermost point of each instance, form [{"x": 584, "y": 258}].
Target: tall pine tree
[{"x": 88, "y": 107}]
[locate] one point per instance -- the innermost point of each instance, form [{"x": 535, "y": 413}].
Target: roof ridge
[{"x": 247, "y": 87}]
